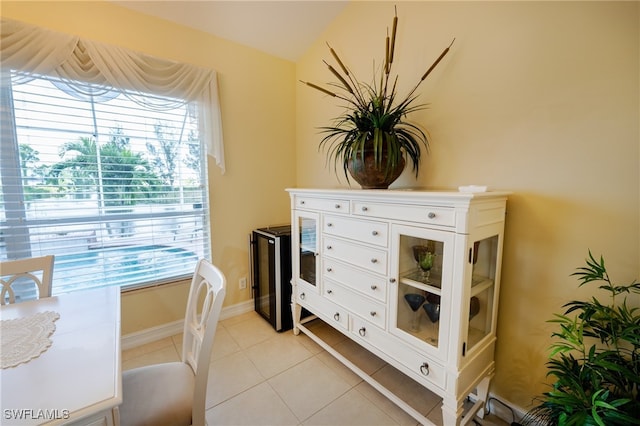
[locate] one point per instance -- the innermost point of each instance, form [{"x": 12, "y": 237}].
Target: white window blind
[{"x": 115, "y": 189}]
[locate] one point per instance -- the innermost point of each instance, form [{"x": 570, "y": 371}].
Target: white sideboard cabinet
[{"x": 412, "y": 276}]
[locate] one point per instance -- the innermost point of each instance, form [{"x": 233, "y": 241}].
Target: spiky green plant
[
  {"x": 595, "y": 359},
  {"x": 373, "y": 118}
]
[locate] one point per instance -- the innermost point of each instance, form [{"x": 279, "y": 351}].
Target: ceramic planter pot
[{"x": 370, "y": 175}]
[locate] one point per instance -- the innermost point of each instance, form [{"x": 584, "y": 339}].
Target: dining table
[{"x": 61, "y": 360}]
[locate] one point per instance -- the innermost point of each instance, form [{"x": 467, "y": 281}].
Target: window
[
  {"x": 103, "y": 179},
  {"x": 102, "y": 158}
]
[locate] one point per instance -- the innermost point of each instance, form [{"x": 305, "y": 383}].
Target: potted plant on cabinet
[
  {"x": 595, "y": 359},
  {"x": 372, "y": 137}
]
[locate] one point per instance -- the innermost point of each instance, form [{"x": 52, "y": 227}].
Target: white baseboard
[
  {"x": 152, "y": 334},
  {"x": 237, "y": 309},
  {"x": 499, "y": 410}
]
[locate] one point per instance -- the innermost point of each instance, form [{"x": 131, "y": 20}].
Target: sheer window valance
[{"x": 97, "y": 66}]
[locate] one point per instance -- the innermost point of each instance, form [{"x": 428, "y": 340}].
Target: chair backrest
[
  {"x": 208, "y": 289},
  {"x": 25, "y": 275}
]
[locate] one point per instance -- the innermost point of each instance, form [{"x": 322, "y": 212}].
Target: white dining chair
[
  {"x": 25, "y": 279},
  {"x": 175, "y": 393}
]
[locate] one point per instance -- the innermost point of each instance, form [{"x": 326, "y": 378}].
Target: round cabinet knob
[
  {"x": 374, "y": 260},
  {"x": 302, "y": 203},
  {"x": 302, "y": 296},
  {"x": 431, "y": 215},
  {"x": 364, "y": 208},
  {"x": 392, "y": 280},
  {"x": 329, "y": 247},
  {"x": 373, "y": 313},
  {"x": 362, "y": 331},
  {"x": 374, "y": 233},
  {"x": 373, "y": 286},
  {"x": 336, "y": 316},
  {"x": 329, "y": 291},
  {"x": 329, "y": 225},
  {"x": 424, "y": 369},
  {"x": 337, "y": 206},
  {"x": 329, "y": 270}
]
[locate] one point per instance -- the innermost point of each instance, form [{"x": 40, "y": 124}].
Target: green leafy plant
[
  {"x": 595, "y": 358},
  {"x": 374, "y": 117}
]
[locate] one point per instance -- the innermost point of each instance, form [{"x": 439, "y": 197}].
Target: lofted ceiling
[{"x": 281, "y": 28}]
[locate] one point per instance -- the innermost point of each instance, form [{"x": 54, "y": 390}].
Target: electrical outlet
[{"x": 242, "y": 283}]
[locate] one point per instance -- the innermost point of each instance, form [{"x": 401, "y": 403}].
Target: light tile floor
[{"x": 261, "y": 377}]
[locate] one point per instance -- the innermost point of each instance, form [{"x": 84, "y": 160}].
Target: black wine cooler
[{"x": 270, "y": 250}]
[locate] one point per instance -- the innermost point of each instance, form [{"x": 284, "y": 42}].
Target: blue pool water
[{"x": 122, "y": 266}]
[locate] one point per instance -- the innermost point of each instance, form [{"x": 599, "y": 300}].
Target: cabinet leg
[
  {"x": 482, "y": 391},
  {"x": 451, "y": 411},
  {"x": 296, "y": 312}
]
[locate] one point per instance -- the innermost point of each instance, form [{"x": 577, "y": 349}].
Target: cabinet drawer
[
  {"x": 323, "y": 204},
  {"x": 333, "y": 314},
  {"x": 418, "y": 366},
  {"x": 357, "y": 229},
  {"x": 442, "y": 216},
  {"x": 366, "y": 257},
  {"x": 308, "y": 298},
  {"x": 366, "y": 283},
  {"x": 374, "y": 312}
]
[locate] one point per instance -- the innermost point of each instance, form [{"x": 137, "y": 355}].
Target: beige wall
[
  {"x": 538, "y": 98},
  {"x": 257, "y": 95}
]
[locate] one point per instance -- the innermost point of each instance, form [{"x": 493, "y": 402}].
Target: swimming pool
[{"x": 125, "y": 265}]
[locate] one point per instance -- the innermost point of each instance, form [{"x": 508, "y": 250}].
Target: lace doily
[{"x": 24, "y": 339}]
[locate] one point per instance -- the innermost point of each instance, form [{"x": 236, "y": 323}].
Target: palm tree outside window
[{"x": 116, "y": 191}]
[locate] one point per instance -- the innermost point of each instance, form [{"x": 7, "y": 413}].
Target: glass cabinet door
[
  {"x": 306, "y": 246},
  {"x": 422, "y": 269},
  {"x": 483, "y": 256}
]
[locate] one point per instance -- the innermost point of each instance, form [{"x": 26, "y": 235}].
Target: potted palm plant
[
  {"x": 595, "y": 358},
  {"x": 372, "y": 137}
]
